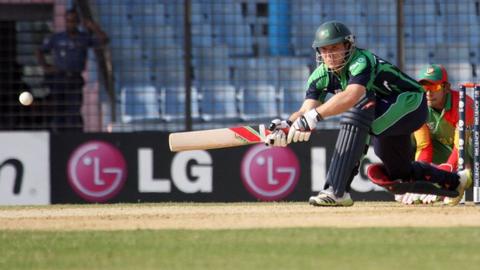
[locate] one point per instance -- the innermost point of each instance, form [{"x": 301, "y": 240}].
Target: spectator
[{"x": 69, "y": 53}]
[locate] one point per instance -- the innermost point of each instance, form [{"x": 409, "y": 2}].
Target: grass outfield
[
  {"x": 307, "y": 248},
  {"x": 385, "y": 236}
]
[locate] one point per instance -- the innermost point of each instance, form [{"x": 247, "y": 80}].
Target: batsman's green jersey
[{"x": 396, "y": 93}]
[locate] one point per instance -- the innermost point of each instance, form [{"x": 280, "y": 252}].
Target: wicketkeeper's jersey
[
  {"x": 437, "y": 140},
  {"x": 396, "y": 93}
]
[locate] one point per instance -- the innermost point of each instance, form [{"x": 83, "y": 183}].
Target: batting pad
[
  {"x": 376, "y": 173},
  {"x": 349, "y": 148}
]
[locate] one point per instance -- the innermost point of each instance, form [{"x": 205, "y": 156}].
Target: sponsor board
[
  {"x": 270, "y": 173},
  {"x": 96, "y": 171},
  {"x": 24, "y": 168},
  {"x": 138, "y": 167}
]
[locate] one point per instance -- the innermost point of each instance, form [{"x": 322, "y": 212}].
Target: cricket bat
[{"x": 217, "y": 138}]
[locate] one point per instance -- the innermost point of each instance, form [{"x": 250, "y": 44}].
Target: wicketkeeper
[
  {"x": 375, "y": 99},
  {"x": 438, "y": 139}
]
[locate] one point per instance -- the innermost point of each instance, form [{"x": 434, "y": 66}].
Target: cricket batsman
[{"x": 375, "y": 100}]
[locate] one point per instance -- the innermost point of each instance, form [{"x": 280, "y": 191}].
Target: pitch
[
  {"x": 233, "y": 216},
  {"x": 369, "y": 235}
]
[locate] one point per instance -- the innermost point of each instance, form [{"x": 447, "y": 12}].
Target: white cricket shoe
[
  {"x": 327, "y": 198},
  {"x": 465, "y": 182}
]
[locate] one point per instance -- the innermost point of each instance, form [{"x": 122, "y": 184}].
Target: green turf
[{"x": 315, "y": 248}]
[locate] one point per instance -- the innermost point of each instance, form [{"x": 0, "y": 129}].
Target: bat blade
[{"x": 217, "y": 138}]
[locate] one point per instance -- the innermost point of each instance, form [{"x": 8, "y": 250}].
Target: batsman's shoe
[
  {"x": 329, "y": 199},
  {"x": 465, "y": 183}
]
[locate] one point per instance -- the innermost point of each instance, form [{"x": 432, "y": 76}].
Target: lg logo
[
  {"x": 270, "y": 173},
  {"x": 97, "y": 171},
  {"x": 191, "y": 172}
]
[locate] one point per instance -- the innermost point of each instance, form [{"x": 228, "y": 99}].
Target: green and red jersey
[{"x": 437, "y": 140}]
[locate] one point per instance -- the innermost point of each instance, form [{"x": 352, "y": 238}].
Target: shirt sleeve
[
  {"x": 424, "y": 151},
  {"x": 317, "y": 86},
  {"x": 361, "y": 78},
  {"x": 453, "y": 158},
  {"x": 360, "y": 71},
  {"x": 312, "y": 92}
]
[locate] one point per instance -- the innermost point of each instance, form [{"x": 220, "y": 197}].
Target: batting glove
[
  {"x": 303, "y": 126},
  {"x": 277, "y": 137},
  {"x": 411, "y": 198},
  {"x": 399, "y": 197},
  {"x": 414, "y": 198},
  {"x": 430, "y": 198}
]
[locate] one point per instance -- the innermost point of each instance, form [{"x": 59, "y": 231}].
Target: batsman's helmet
[
  {"x": 333, "y": 32},
  {"x": 330, "y": 33}
]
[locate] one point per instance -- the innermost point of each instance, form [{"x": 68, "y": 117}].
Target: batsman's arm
[
  {"x": 307, "y": 105},
  {"x": 342, "y": 101}
]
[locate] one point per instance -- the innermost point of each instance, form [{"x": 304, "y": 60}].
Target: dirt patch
[{"x": 234, "y": 216}]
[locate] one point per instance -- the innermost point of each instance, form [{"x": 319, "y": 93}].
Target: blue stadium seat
[
  {"x": 217, "y": 56},
  {"x": 209, "y": 74},
  {"x": 172, "y": 103},
  {"x": 258, "y": 102},
  {"x": 292, "y": 82},
  {"x": 147, "y": 14},
  {"x": 232, "y": 27},
  {"x": 459, "y": 72},
  {"x": 291, "y": 98},
  {"x": 202, "y": 35},
  {"x": 218, "y": 102},
  {"x": 255, "y": 71},
  {"x": 139, "y": 103}
]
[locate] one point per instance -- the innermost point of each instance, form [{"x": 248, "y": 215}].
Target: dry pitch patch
[{"x": 233, "y": 216}]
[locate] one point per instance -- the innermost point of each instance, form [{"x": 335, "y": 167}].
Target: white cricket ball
[{"x": 25, "y": 98}]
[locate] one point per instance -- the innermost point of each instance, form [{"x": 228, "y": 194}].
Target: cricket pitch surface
[{"x": 233, "y": 216}]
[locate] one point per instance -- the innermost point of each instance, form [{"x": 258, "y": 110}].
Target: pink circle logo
[
  {"x": 97, "y": 171},
  {"x": 270, "y": 173}
]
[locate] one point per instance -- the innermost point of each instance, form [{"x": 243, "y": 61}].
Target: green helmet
[{"x": 330, "y": 33}]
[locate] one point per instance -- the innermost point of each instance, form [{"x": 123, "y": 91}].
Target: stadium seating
[
  {"x": 258, "y": 102},
  {"x": 172, "y": 103},
  {"x": 139, "y": 103},
  {"x": 230, "y": 55},
  {"x": 218, "y": 102}
]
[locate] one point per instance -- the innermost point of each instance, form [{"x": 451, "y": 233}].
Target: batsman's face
[{"x": 334, "y": 55}]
